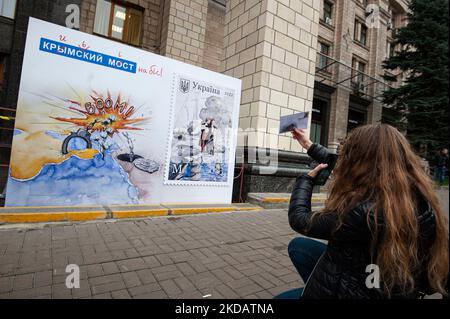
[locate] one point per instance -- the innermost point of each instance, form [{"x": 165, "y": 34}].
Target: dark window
[
  {"x": 318, "y": 122},
  {"x": 395, "y": 20},
  {"x": 118, "y": 21},
  {"x": 2, "y": 69},
  {"x": 323, "y": 60},
  {"x": 362, "y": 70},
  {"x": 391, "y": 49},
  {"x": 327, "y": 12},
  {"x": 355, "y": 118},
  {"x": 360, "y": 32},
  {"x": 324, "y": 48},
  {"x": 357, "y": 65},
  {"x": 6, "y": 122},
  {"x": 363, "y": 35}
]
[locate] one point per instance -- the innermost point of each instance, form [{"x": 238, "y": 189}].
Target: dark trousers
[
  {"x": 439, "y": 174},
  {"x": 304, "y": 253}
]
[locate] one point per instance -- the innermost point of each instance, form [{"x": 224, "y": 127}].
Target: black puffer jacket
[{"x": 341, "y": 271}]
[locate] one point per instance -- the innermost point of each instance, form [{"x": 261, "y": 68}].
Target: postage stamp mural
[
  {"x": 99, "y": 122},
  {"x": 201, "y": 132}
]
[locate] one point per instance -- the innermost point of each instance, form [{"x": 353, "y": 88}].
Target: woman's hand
[
  {"x": 301, "y": 137},
  {"x": 316, "y": 170}
]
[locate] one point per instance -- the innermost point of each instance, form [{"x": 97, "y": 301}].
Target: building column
[
  {"x": 87, "y": 16},
  {"x": 183, "y": 30},
  {"x": 378, "y": 39},
  {"x": 338, "y": 117},
  {"x": 271, "y": 45},
  {"x": 340, "y": 98}
]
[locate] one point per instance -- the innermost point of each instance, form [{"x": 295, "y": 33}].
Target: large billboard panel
[{"x": 100, "y": 122}]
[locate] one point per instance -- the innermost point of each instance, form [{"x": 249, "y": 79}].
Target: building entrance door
[
  {"x": 318, "y": 122},
  {"x": 355, "y": 118}
]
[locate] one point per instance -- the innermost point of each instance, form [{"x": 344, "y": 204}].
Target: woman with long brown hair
[{"x": 386, "y": 232}]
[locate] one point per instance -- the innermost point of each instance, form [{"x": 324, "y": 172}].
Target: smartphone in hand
[{"x": 325, "y": 173}]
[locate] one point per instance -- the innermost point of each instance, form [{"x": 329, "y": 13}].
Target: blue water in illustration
[
  {"x": 56, "y": 135},
  {"x": 99, "y": 180},
  {"x": 207, "y": 173}
]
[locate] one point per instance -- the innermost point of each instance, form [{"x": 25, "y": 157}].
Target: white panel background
[{"x": 50, "y": 73}]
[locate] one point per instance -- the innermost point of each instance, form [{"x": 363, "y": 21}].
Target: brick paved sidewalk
[{"x": 224, "y": 255}]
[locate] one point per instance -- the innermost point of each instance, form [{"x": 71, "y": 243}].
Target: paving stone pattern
[{"x": 224, "y": 255}]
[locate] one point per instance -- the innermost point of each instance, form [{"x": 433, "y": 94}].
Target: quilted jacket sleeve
[
  {"x": 322, "y": 225},
  {"x": 319, "y": 153}
]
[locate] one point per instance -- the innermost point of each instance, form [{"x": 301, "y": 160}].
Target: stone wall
[
  {"x": 271, "y": 46},
  {"x": 186, "y": 28},
  {"x": 215, "y": 31}
]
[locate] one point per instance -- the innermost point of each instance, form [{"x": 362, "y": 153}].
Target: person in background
[
  {"x": 382, "y": 217},
  {"x": 441, "y": 166}
]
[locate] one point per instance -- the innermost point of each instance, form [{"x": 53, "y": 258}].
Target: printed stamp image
[{"x": 201, "y": 133}]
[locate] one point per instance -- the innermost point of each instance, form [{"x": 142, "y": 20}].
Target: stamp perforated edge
[{"x": 166, "y": 181}]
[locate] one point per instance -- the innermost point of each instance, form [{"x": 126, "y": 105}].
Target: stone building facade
[
  {"x": 320, "y": 56},
  {"x": 354, "y": 39}
]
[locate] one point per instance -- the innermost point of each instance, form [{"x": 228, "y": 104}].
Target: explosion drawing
[{"x": 104, "y": 115}]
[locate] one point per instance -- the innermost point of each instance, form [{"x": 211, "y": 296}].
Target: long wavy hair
[{"x": 376, "y": 163}]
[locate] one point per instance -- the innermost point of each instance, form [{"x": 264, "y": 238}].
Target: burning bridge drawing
[
  {"x": 86, "y": 158},
  {"x": 104, "y": 118}
]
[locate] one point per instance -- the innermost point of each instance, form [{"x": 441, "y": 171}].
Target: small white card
[{"x": 297, "y": 120}]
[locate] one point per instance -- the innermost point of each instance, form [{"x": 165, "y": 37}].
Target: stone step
[
  {"x": 84, "y": 213},
  {"x": 281, "y": 200}
]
